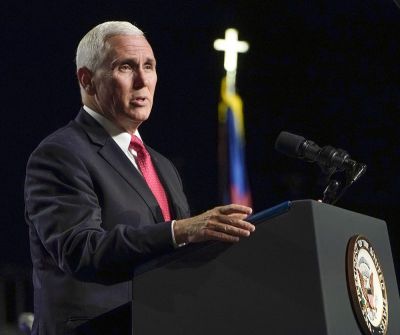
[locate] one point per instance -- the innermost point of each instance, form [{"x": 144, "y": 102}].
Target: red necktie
[{"x": 150, "y": 175}]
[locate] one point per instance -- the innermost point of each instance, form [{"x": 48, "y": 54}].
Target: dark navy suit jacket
[{"x": 92, "y": 219}]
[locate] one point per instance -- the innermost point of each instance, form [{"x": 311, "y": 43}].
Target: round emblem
[{"x": 367, "y": 286}]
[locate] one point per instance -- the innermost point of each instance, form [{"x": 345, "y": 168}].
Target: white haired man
[{"x": 98, "y": 201}]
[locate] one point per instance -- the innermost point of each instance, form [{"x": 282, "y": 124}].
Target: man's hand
[{"x": 224, "y": 223}]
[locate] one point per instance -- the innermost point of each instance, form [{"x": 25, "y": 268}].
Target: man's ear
[{"x": 85, "y": 77}]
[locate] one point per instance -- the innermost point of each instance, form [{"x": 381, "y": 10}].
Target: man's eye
[
  {"x": 148, "y": 66},
  {"x": 125, "y": 68}
]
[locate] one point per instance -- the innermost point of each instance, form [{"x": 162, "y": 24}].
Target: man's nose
[{"x": 140, "y": 79}]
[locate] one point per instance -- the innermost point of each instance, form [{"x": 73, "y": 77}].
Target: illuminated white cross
[{"x": 231, "y": 45}]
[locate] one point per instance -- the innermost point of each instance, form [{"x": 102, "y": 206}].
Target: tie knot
[{"x": 137, "y": 144}]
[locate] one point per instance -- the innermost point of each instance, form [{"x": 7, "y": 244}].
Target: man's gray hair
[{"x": 91, "y": 49}]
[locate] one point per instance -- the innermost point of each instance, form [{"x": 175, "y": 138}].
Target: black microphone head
[{"x": 289, "y": 144}]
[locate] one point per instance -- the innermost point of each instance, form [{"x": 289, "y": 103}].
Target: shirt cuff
[{"x": 176, "y": 245}]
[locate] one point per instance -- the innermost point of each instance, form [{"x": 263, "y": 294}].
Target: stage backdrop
[{"x": 327, "y": 70}]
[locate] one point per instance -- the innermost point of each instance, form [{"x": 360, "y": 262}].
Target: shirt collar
[{"x": 121, "y": 137}]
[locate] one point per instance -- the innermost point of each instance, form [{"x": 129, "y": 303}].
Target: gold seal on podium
[{"x": 367, "y": 286}]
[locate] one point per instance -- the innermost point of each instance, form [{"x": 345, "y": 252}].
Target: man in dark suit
[{"x": 98, "y": 201}]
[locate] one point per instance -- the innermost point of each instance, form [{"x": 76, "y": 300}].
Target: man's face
[{"x": 125, "y": 81}]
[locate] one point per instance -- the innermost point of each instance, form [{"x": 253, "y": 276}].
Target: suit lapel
[{"x": 112, "y": 153}]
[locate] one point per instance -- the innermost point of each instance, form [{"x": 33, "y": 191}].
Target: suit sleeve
[{"x": 63, "y": 209}]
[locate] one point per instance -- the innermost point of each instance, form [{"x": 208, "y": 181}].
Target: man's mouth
[{"x": 139, "y": 101}]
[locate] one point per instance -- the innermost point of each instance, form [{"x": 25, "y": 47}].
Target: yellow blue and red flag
[{"x": 233, "y": 180}]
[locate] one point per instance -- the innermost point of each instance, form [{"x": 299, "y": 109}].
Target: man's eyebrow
[
  {"x": 150, "y": 60},
  {"x": 124, "y": 60},
  {"x": 134, "y": 60}
]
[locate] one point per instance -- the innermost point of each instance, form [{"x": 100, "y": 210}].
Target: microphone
[{"x": 328, "y": 158}]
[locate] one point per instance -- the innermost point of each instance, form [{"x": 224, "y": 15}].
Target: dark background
[{"x": 327, "y": 70}]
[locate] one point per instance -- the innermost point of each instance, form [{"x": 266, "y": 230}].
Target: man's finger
[
  {"x": 230, "y": 229},
  {"x": 240, "y": 216},
  {"x": 236, "y": 222},
  {"x": 234, "y": 208}
]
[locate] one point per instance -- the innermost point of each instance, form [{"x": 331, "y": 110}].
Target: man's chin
[
  {"x": 138, "y": 113},
  {"x": 140, "y": 117},
  {"x": 134, "y": 117}
]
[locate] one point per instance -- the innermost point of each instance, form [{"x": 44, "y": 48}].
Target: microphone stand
[
  {"x": 330, "y": 192},
  {"x": 335, "y": 189}
]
